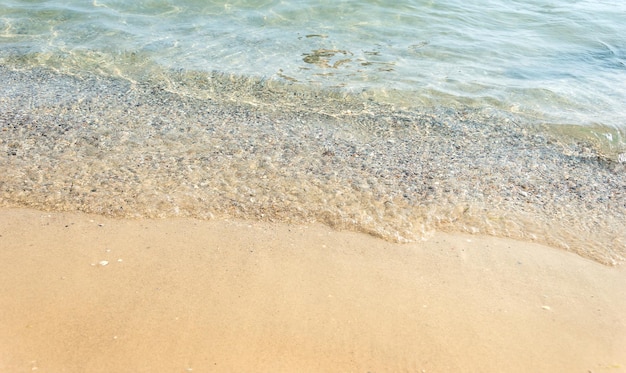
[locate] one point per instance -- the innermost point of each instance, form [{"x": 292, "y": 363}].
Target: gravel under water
[{"x": 216, "y": 146}]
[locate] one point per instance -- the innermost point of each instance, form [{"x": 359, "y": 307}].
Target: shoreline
[
  {"x": 83, "y": 292},
  {"x": 212, "y": 146}
]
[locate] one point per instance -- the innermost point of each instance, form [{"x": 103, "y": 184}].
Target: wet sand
[{"x": 83, "y": 293}]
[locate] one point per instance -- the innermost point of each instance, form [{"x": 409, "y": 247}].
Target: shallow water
[
  {"x": 395, "y": 120},
  {"x": 558, "y": 61}
]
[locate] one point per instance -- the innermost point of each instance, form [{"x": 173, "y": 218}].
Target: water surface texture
[
  {"x": 560, "y": 61},
  {"x": 498, "y": 117}
]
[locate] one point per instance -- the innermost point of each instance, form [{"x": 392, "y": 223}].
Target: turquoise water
[
  {"x": 561, "y": 62},
  {"x": 395, "y": 119}
]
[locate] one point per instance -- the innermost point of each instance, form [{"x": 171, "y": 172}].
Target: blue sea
[{"x": 130, "y": 89}]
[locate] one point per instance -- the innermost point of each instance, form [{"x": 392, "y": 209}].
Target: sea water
[{"x": 498, "y": 117}]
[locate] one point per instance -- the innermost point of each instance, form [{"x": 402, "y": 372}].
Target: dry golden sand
[{"x": 234, "y": 296}]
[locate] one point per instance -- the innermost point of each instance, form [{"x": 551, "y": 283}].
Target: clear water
[
  {"x": 563, "y": 62},
  {"x": 330, "y": 82}
]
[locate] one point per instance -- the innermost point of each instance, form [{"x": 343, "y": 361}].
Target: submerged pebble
[{"x": 299, "y": 155}]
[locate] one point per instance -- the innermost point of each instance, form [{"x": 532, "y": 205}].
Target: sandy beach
[
  {"x": 83, "y": 293},
  {"x": 292, "y": 187}
]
